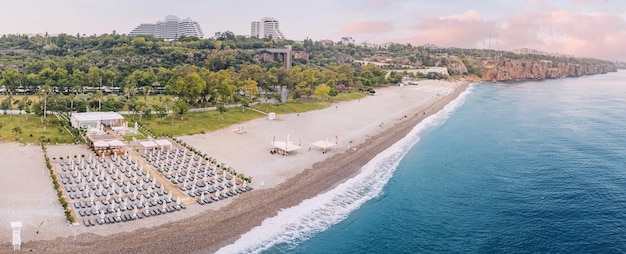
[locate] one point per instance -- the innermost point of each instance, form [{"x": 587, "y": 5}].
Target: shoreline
[{"x": 213, "y": 229}]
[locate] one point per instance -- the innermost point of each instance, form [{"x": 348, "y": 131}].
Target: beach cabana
[
  {"x": 322, "y": 144},
  {"x": 284, "y": 147},
  {"x": 116, "y": 145},
  {"x": 148, "y": 145},
  {"x": 163, "y": 143},
  {"x": 100, "y": 146}
]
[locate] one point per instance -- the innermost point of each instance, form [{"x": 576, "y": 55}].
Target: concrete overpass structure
[{"x": 283, "y": 54}]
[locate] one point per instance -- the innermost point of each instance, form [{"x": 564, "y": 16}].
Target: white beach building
[{"x": 93, "y": 120}]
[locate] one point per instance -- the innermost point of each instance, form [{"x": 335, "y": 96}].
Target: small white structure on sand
[
  {"x": 323, "y": 144},
  {"x": 284, "y": 147},
  {"x": 17, "y": 235},
  {"x": 271, "y": 116}
]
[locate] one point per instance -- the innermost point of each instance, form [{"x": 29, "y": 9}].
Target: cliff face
[{"x": 501, "y": 69}]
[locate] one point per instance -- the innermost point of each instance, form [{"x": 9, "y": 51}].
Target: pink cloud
[
  {"x": 465, "y": 30},
  {"x": 368, "y": 27},
  {"x": 600, "y": 35}
]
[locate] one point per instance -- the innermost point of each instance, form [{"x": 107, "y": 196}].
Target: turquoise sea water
[{"x": 523, "y": 167}]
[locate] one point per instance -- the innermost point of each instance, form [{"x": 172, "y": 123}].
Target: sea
[{"x": 513, "y": 167}]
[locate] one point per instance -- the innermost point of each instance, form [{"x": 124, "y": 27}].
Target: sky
[{"x": 585, "y": 28}]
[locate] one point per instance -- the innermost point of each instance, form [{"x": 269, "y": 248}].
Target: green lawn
[
  {"x": 32, "y": 130},
  {"x": 201, "y": 122},
  {"x": 349, "y": 96},
  {"x": 304, "y": 105},
  {"x": 194, "y": 123}
]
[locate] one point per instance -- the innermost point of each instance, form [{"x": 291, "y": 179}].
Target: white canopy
[
  {"x": 116, "y": 143},
  {"x": 148, "y": 144},
  {"x": 163, "y": 143},
  {"x": 323, "y": 144},
  {"x": 286, "y": 146},
  {"x": 99, "y": 144}
]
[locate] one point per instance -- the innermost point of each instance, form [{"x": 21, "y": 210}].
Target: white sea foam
[{"x": 299, "y": 223}]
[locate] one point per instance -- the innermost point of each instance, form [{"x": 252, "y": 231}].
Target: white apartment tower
[
  {"x": 267, "y": 27},
  {"x": 170, "y": 29}
]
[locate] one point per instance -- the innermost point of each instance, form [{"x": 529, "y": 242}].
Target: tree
[
  {"x": 77, "y": 79},
  {"x": 45, "y": 90},
  {"x": 160, "y": 111},
  {"x": 187, "y": 83},
  {"x": 71, "y": 97},
  {"x": 167, "y": 103},
  {"x": 322, "y": 91},
  {"x": 130, "y": 91},
  {"x": 244, "y": 105},
  {"x": 256, "y": 73},
  {"x": 222, "y": 109},
  {"x": 94, "y": 77},
  {"x": 224, "y": 83},
  {"x": 146, "y": 92},
  {"x": 10, "y": 79},
  {"x": 181, "y": 108},
  {"x": 98, "y": 96},
  {"x": 136, "y": 106},
  {"x": 24, "y": 105},
  {"x": 250, "y": 87}
]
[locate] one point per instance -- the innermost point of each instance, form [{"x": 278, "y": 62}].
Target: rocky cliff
[{"x": 503, "y": 69}]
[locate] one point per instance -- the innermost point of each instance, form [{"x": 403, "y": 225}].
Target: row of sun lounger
[{"x": 101, "y": 220}]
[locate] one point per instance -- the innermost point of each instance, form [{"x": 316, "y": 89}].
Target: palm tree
[
  {"x": 130, "y": 91},
  {"x": 71, "y": 97},
  {"x": 98, "y": 96},
  {"x": 167, "y": 103},
  {"x": 10, "y": 98},
  {"x": 44, "y": 91},
  {"x": 24, "y": 105},
  {"x": 146, "y": 91}
]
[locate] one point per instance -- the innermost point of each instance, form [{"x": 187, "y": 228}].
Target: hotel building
[
  {"x": 170, "y": 29},
  {"x": 267, "y": 27}
]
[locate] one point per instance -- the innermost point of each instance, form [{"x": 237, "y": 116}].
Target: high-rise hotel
[
  {"x": 267, "y": 27},
  {"x": 170, "y": 29}
]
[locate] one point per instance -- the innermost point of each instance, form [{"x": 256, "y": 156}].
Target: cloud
[
  {"x": 368, "y": 27},
  {"x": 594, "y": 34},
  {"x": 466, "y": 30}
]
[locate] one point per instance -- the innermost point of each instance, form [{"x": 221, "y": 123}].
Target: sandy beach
[{"x": 360, "y": 130}]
